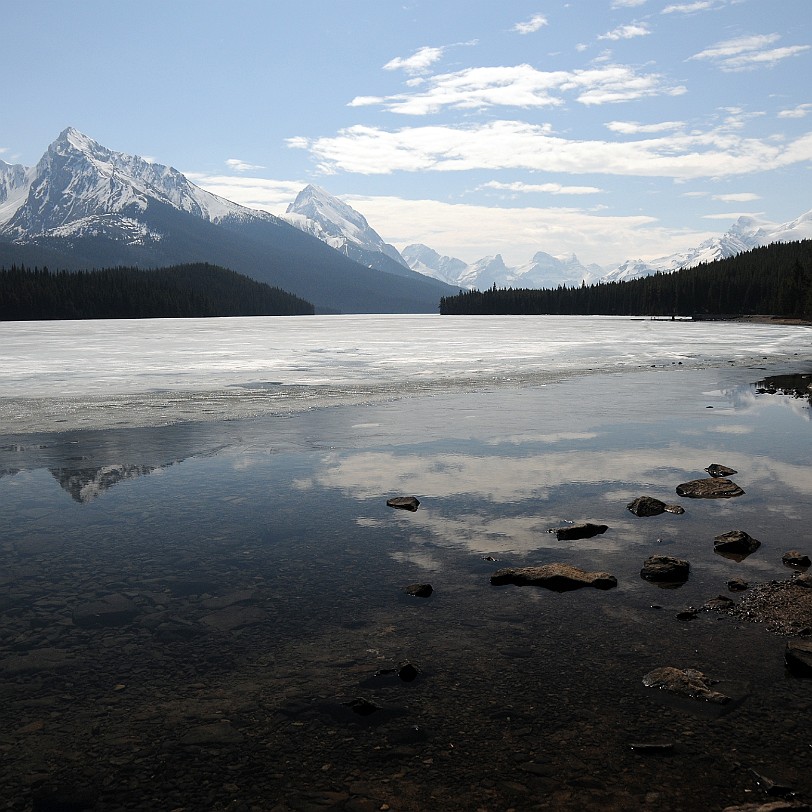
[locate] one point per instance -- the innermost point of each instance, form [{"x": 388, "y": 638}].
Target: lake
[{"x": 204, "y": 603}]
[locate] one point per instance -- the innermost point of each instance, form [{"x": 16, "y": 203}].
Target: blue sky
[{"x": 612, "y": 129}]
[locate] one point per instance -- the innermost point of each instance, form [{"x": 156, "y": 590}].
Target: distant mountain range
[
  {"x": 333, "y": 221},
  {"x": 85, "y": 206}
]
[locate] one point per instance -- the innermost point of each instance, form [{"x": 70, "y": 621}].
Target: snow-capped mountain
[
  {"x": 319, "y": 213},
  {"x": 81, "y": 188},
  {"x": 427, "y": 261},
  {"x": 543, "y": 270},
  {"x": 744, "y": 235},
  {"x": 84, "y": 205}
]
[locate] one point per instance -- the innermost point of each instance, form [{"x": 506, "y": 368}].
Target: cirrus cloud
[
  {"x": 532, "y": 25},
  {"x": 419, "y": 62},
  {"x": 523, "y": 86},
  {"x": 747, "y": 53}
]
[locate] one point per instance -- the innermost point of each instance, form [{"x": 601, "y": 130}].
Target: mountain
[
  {"x": 427, "y": 261},
  {"x": 85, "y": 206},
  {"x": 744, "y": 235},
  {"x": 543, "y": 270}
]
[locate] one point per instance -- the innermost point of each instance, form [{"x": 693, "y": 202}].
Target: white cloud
[
  {"x": 730, "y": 216},
  {"x": 272, "y": 196},
  {"x": 523, "y": 86},
  {"x": 801, "y": 111},
  {"x": 241, "y": 166},
  {"x": 419, "y": 62},
  {"x": 745, "y": 53},
  {"x": 689, "y": 8},
  {"x": 627, "y": 3},
  {"x": 634, "y": 127},
  {"x": 626, "y": 32},
  {"x": 532, "y": 25},
  {"x": 505, "y": 144},
  {"x": 545, "y": 188},
  {"x": 740, "y": 197}
]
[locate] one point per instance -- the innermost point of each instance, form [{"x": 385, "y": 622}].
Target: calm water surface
[{"x": 189, "y": 610}]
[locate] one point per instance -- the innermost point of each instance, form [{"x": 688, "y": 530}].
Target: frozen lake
[{"x": 96, "y": 374}]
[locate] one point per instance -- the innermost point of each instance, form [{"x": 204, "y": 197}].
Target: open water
[{"x": 200, "y": 578}]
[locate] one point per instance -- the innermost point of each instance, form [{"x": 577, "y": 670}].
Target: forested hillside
[
  {"x": 129, "y": 293},
  {"x": 773, "y": 280}
]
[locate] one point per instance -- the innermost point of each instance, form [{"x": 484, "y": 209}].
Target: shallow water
[{"x": 261, "y": 577}]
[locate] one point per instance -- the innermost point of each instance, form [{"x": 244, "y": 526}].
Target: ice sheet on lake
[{"x": 140, "y": 372}]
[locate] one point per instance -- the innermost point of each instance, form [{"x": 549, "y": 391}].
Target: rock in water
[
  {"x": 579, "y": 531},
  {"x": 736, "y": 543},
  {"x": 649, "y": 506},
  {"x": 558, "y": 577},
  {"x": 404, "y": 502},
  {"x": 798, "y": 657},
  {"x": 665, "y": 568},
  {"x": 418, "y": 590},
  {"x": 716, "y": 470},
  {"x": 794, "y": 558},
  {"x": 685, "y": 682},
  {"x": 718, "y": 488}
]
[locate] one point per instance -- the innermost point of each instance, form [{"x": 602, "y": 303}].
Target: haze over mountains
[{"x": 85, "y": 206}]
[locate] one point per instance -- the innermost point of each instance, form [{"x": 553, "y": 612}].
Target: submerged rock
[
  {"x": 665, "y": 568},
  {"x": 713, "y": 488},
  {"x": 771, "y": 806},
  {"x": 558, "y": 577},
  {"x": 737, "y": 585},
  {"x": 649, "y": 506},
  {"x": 736, "y": 544},
  {"x": 686, "y": 682},
  {"x": 111, "y": 610},
  {"x": 418, "y": 590},
  {"x": 716, "y": 470},
  {"x": 579, "y": 531},
  {"x": 404, "y": 502},
  {"x": 798, "y": 657}
]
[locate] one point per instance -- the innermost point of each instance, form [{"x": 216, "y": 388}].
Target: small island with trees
[{"x": 773, "y": 280}]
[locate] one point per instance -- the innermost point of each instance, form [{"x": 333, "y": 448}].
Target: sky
[{"x": 611, "y": 129}]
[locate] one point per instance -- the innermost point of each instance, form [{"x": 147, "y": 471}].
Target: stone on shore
[
  {"x": 665, "y": 568},
  {"x": 687, "y": 682},
  {"x": 404, "y": 502},
  {"x": 579, "y": 531},
  {"x": 735, "y": 543},
  {"x": 557, "y": 577},
  {"x": 715, "y": 470},
  {"x": 794, "y": 558},
  {"x": 649, "y": 506},
  {"x": 713, "y": 488},
  {"x": 771, "y": 806},
  {"x": 798, "y": 656}
]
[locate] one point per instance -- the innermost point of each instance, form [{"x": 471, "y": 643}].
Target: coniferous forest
[
  {"x": 773, "y": 280},
  {"x": 181, "y": 291}
]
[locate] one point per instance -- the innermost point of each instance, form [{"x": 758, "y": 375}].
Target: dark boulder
[
  {"x": 794, "y": 558},
  {"x": 418, "y": 590},
  {"x": 649, "y": 506},
  {"x": 798, "y": 657},
  {"x": 665, "y": 568},
  {"x": 718, "y": 488},
  {"x": 737, "y": 585},
  {"x": 557, "y": 577},
  {"x": 715, "y": 470},
  {"x": 735, "y": 544},
  {"x": 579, "y": 531},
  {"x": 404, "y": 502}
]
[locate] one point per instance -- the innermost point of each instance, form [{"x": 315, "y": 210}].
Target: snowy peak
[
  {"x": 319, "y": 213},
  {"x": 81, "y": 187},
  {"x": 427, "y": 261}
]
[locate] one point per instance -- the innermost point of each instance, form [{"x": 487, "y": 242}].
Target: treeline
[
  {"x": 773, "y": 280},
  {"x": 181, "y": 291}
]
